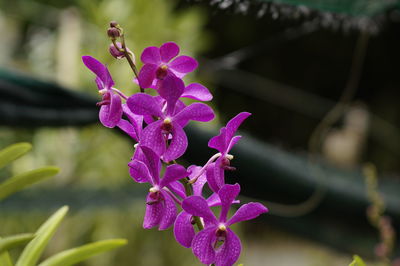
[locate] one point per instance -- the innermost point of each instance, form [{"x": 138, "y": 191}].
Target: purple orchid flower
[
  {"x": 183, "y": 227},
  {"x": 158, "y": 64},
  {"x": 224, "y": 143},
  {"x": 169, "y": 128},
  {"x": 111, "y": 109},
  {"x": 204, "y": 244},
  {"x": 160, "y": 210}
]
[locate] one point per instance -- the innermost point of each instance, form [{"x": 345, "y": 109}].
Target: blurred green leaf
[
  {"x": 75, "y": 255},
  {"x": 357, "y": 261},
  {"x": 13, "y": 152},
  {"x": 34, "y": 249},
  {"x": 10, "y": 242},
  {"x": 5, "y": 259},
  {"x": 23, "y": 180}
]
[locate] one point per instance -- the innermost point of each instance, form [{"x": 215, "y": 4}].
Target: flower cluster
[{"x": 157, "y": 124}]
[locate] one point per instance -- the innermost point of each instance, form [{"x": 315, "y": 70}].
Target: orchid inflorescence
[{"x": 156, "y": 123}]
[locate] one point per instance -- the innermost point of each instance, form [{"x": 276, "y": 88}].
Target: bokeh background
[{"x": 321, "y": 82}]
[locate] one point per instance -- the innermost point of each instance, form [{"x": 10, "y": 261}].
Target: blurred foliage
[{"x": 357, "y": 261}]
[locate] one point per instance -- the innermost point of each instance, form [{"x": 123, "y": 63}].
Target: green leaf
[
  {"x": 357, "y": 261},
  {"x": 23, "y": 180},
  {"x": 10, "y": 242},
  {"x": 34, "y": 249},
  {"x": 13, "y": 152},
  {"x": 75, "y": 255},
  {"x": 5, "y": 259}
]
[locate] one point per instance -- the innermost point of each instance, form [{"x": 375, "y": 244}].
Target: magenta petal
[
  {"x": 213, "y": 200},
  {"x": 178, "y": 144},
  {"x": 196, "y": 111},
  {"x": 144, "y": 104},
  {"x": 151, "y": 55},
  {"x": 173, "y": 173},
  {"x": 232, "y": 143},
  {"x": 227, "y": 194},
  {"x": 178, "y": 189},
  {"x": 99, "y": 69},
  {"x": 201, "y": 180},
  {"x": 147, "y": 75},
  {"x": 183, "y": 229},
  {"x": 234, "y": 124},
  {"x": 139, "y": 172},
  {"x": 183, "y": 64},
  {"x": 153, "y": 138},
  {"x": 170, "y": 211},
  {"x": 198, "y": 92},
  {"x": 136, "y": 120},
  {"x": 229, "y": 252},
  {"x": 171, "y": 88},
  {"x": 247, "y": 212},
  {"x": 202, "y": 245},
  {"x": 197, "y": 206},
  {"x": 128, "y": 128},
  {"x": 153, "y": 163},
  {"x": 168, "y": 51},
  {"x": 212, "y": 182},
  {"x": 153, "y": 214},
  {"x": 111, "y": 114},
  {"x": 219, "y": 142}
]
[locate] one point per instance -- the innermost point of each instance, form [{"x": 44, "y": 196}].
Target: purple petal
[
  {"x": 183, "y": 64},
  {"x": 201, "y": 180},
  {"x": 213, "y": 200},
  {"x": 198, "y": 206},
  {"x": 196, "y": 111},
  {"x": 173, "y": 173},
  {"x": 153, "y": 214},
  {"x": 234, "y": 124},
  {"x": 128, "y": 128},
  {"x": 202, "y": 245},
  {"x": 111, "y": 114},
  {"x": 178, "y": 189},
  {"x": 227, "y": 194},
  {"x": 215, "y": 176},
  {"x": 152, "y": 162},
  {"x": 233, "y": 141},
  {"x": 168, "y": 51},
  {"x": 99, "y": 69},
  {"x": 229, "y": 252},
  {"x": 136, "y": 120},
  {"x": 171, "y": 88},
  {"x": 247, "y": 212},
  {"x": 144, "y": 104},
  {"x": 198, "y": 92},
  {"x": 170, "y": 212},
  {"x": 151, "y": 55},
  {"x": 153, "y": 137},
  {"x": 178, "y": 144},
  {"x": 147, "y": 75},
  {"x": 139, "y": 172},
  {"x": 183, "y": 229},
  {"x": 219, "y": 142}
]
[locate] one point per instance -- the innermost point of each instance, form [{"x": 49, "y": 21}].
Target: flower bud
[
  {"x": 116, "y": 53},
  {"x": 113, "y": 33},
  {"x": 113, "y": 24}
]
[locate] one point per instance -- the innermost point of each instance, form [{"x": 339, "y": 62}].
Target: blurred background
[{"x": 322, "y": 83}]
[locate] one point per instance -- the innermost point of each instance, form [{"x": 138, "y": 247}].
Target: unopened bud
[
  {"x": 118, "y": 54},
  {"x": 113, "y": 33},
  {"x": 113, "y": 24}
]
